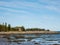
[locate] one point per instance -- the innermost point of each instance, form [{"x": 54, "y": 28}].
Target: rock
[{"x": 56, "y": 44}]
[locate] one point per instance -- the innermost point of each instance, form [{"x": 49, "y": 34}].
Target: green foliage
[
  {"x": 36, "y": 29},
  {"x": 23, "y": 29},
  {"x": 4, "y": 27},
  {"x": 9, "y": 27}
]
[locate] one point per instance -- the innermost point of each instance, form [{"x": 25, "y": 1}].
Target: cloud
[
  {"x": 53, "y": 8},
  {"x": 18, "y": 4},
  {"x": 34, "y": 13},
  {"x": 51, "y": 4},
  {"x": 35, "y": 6},
  {"x": 15, "y": 11}
]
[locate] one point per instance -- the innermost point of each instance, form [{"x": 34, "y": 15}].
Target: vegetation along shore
[{"x": 8, "y": 29}]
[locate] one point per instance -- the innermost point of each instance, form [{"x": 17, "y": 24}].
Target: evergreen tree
[
  {"x": 9, "y": 27},
  {"x": 6, "y": 26}
]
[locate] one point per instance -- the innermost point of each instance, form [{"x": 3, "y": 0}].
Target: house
[{"x": 20, "y": 28}]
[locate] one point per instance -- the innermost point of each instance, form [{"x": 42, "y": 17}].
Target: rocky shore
[{"x": 30, "y": 32}]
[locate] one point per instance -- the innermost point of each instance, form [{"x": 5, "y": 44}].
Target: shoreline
[{"x": 30, "y": 32}]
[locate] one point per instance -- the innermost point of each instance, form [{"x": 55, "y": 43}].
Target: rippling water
[{"x": 30, "y": 39}]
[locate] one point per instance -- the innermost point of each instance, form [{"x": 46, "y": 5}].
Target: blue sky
[{"x": 31, "y": 13}]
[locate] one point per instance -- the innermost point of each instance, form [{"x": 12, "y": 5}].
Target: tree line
[
  {"x": 36, "y": 29},
  {"x": 7, "y": 27}
]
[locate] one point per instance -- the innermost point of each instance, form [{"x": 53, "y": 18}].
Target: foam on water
[{"x": 44, "y": 39}]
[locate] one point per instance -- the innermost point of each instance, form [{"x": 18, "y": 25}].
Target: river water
[{"x": 30, "y": 39}]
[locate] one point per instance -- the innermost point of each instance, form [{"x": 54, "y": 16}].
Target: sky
[{"x": 31, "y": 13}]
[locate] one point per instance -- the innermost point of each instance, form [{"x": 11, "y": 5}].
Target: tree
[
  {"x": 0, "y": 27},
  {"x": 48, "y": 30},
  {"x": 23, "y": 29},
  {"x": 6, "y": 26},
  {"x": 9, "y": 27}
]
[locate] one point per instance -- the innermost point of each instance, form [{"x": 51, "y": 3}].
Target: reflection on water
[{"x": 30, "y": 39}]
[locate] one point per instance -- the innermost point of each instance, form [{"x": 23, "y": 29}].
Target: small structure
[{"x": 20, "y": 28}]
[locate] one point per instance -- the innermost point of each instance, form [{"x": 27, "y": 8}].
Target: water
[{"x": 30, "y": 39}]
